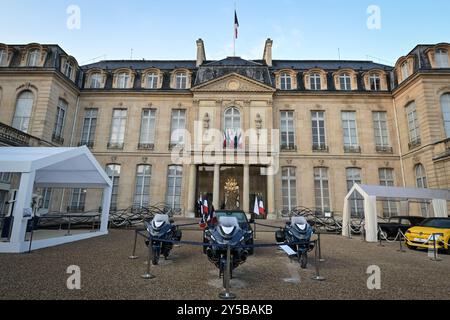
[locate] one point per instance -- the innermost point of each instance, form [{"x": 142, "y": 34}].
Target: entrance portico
[{"x": 250, "y": 181}]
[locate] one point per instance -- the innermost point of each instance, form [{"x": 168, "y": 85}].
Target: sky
[{"x": 168, "y": 29}]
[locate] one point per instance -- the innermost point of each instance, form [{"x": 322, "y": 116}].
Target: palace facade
[{"x": 339, "y": 123}]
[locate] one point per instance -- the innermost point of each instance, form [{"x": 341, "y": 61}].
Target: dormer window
[
  {"x": 285, "y": 81},
  {"x": 441, "y": 57},
  {"x": 375, "y": 82},
  {"x": 315, "y": 82},
  {"x": 96, "y": 81},
  {"x": 33, "y": 58},
  {"x": 68, "y": 69},
  {"x": 152, "y": 80},
  {"x": 181, "y": 80},
  {"x": 345, "y": 82},
  {"x": 405, "y": 70},
  {"x": 123, "y": 80},
  {"x": 3, "y": 57}
]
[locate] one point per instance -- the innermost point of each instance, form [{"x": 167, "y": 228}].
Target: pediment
[{"x": 233, "y": 83}]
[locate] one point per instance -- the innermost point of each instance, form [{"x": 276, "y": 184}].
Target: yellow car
[{"x": 423, "y": 236}]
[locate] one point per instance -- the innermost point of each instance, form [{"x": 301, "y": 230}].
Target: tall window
[
  {"x": 356, "y": 200},
  {"x": 387, "y": 180},
  {"x": 68, "y": 69},
  {"x": 89, "y": 127},
  {"x": 285, "y": 81},
  {"x": 5, "y": 177},
  {"x": 315, "y": 81},
  {"x": 96, "y": 81},
  {"x": 58, "y": 130},
  {"x": 321, "y": 188},
  {"x": 174, "y": 180},
  {"x": 345, "y": 82},
  {"x": 33, "y": 58},
  {"x": 118, "y": 127},
  {"x": 181, "y": 80},
  {"x": 350, "y": 131},
  {"x": 78, "y": 200},
  {"x": 318, "y": 131},
  {"x": 441, "y": 57},
  {"x": 375, "y": 82},
  {"x": 3, "y": 57},
  {"x": 445, "y": 105},
  {"x": 142, "y": 190},
  {"x": 413, "y": 124},
  {"x": 381, "y": 130},
  {"x": 24, "y": 107},
  {"x": 287, "y": 130},
  {"x": 405, "y": 70},
  {"x": 421, "y": 182},
  {"x": 152, "y": 80},
  {"x": 113, "y": 172},
  {"x": 178, "y": 127},
  {"x": 46, "y": 198},
  {"x": 148, "y": 126},
  {"x": 289, "y": 188},
  {"x": 122, "y": 80}
]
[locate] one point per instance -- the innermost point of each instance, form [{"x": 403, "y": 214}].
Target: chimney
[
  {"x": 268, "y": 52},
  {"x": 201, "y": 55}
]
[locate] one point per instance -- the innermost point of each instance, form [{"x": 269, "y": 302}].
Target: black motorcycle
[
  {"x": 297, "y": 235},
  {"x": 162, "y": 228},
  {"x": 228, "y": 233}
]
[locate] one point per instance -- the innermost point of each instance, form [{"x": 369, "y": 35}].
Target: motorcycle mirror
[
  {"x": 172, "y": 221},
  {"x": 252, "y": 221}
]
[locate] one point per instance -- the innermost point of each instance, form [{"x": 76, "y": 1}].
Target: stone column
[
  {"x": 271, "y": 214},
  {"x": 246, "y": 204},
  {"x": 216, "y": 193},
  {"x": 192, "y": 191}
]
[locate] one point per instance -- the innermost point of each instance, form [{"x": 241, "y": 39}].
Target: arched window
[
  {"x": 413, "y": 125},
  {"x": 441, "y": 57},
  {"x": 181, "y": 80},
  {"x": 122, "y": 80},
  {"x": 174, "y": 183},
  {"x": 356, "y": 201},
  {"x": 232, "y": 119},
  {"x": 375, "y": 82},
  {"x": 285, "y": 81},
  {"x": 24, "y": 107},
  {"x": 289, "y": 188},
  {"x": 152, "y": 80},
  {"x": 315, "y": 82},
  {"x": 445, "y": 105},
  {"x": 33, "y": 58},
  {"x": 68, "y": 69},
  {"x": 345, "y": 82},
  {"x": 232, "y": 128},
  {"x": 405, "y": 70},
  {"x": 96, "y": 81},
  {"x": 113, "y": 172}
]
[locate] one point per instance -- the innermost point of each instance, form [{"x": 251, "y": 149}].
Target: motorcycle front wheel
[
  {"x": 303, "y": 259},
  {"x": 156, "y": 255}
]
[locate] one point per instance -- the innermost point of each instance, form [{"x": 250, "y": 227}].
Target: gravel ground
[{"x": 107, "y": 273}]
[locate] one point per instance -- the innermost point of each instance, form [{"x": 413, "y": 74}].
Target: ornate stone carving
[
  {"x": 144, "y": 159},
  {"x": 231, "y": 194},
  {"x": 206, "y": 121},
  {"x": 259, "y": 122},
  {"x": 113, "y": 159}
]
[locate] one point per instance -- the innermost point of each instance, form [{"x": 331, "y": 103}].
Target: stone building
[{"x": 339, "y": 122}]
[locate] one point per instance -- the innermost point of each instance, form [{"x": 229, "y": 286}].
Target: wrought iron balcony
[
  {"x": 320, "y": 148},
  {"x": 352, "y": 149},
  {"x": 57, "y": 139},
  {"x": 146, "y": 146},
  {"x": 115, "y": 145},
  {"x": 285, "y": 147},
  {"x": 414, "y": 144},
  {"x": 384, "y": 149},
  {"x": 89, "y": 144}
]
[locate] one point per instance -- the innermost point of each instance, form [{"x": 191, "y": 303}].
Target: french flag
[
  {"x": 236, "y": 25},
  {"x": 259, "y": 207}
]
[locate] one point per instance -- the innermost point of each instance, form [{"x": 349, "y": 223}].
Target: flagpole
[{"x": 234, "y": 32}]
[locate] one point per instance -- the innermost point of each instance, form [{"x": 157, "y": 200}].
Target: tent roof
[
  {"x": 56, "y": 167},
  {"x": 402, "y": 193}
]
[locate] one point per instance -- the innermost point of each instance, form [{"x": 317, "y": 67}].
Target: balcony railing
[
  {"x": 320, "y": 148},
  {"x": 115, "y": 145},
  {"x": 352, "y": 149},
  {"x": 384, "y": 149},
  {"x": 285, "y": 147},
  {"x": 57, "y": 139},
  {"x": 89, "y": 144},
  {"x": 14, "y": 137},
  {"x": 146, "y": 146},
  {"x": 75, "y": 209},
  {"x": 414, "y": 144}
]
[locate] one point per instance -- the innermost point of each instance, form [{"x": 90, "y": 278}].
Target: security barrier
[{"x": 226, "y": 294}]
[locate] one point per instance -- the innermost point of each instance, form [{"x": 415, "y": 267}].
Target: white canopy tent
[
  {"x": 51, "y": 168},
  {"x": 371, "y": 194}
]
